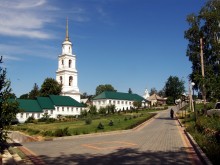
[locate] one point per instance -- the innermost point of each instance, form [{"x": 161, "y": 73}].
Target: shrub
[
  {"x": 61, "y": 132},
  {"x": 111, "y": 123},
  {"x": 125, "y": 119},
  {"x": 93, "y": 110},
  {"x": 103, "y": 110},
  {"x": 30, "y": 119},
  {"x": 47, "y": 133},
  {"x": 100, "y": 126},
  {"x": 85, "y": 132},
  {"x": 88, "y": 121},
  {"x": 33, "y": 131},
  {"x": 76, "y": 132},
  {"x": 84, "y": 113}
]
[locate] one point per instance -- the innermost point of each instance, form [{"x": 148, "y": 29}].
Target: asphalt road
[{"x": 159, "y": 141}]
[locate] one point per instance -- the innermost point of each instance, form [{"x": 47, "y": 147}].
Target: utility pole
[
  {"x": 203, "y": 74},
  {"x": 190, "y": 97}
]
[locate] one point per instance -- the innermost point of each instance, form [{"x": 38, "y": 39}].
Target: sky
[{"x": 133, "y": 44}]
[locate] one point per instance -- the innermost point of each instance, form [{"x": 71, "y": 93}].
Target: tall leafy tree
[
  {"x": 205, "y": 25},
  {"x": 34, "y": 92},
  {"x": 174, "y": 87},
  {"x": 130, "y": 91},
  {"x": 24, "y": 96},
  {"x": 153, "y": 91},
  {"x": 102, "y": 88},
  {"x": 50, "y": 87},
  {"x": 8, "y": 108}
]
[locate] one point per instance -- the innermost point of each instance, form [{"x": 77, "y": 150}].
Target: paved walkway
[{"x": 160, "y": 141}]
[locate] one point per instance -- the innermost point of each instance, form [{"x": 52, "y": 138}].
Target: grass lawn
[
  {"x": 206, "y": 132},
  {"x": 121, "y": 121}
]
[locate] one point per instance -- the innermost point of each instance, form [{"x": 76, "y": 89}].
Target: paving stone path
[{"x": 159, "y": 141}]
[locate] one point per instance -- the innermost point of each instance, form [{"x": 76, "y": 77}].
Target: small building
[
  {"x": 156, "y": 100},
  {"x": 53, "y": 105},
  {"x": 122, "y": 101}
]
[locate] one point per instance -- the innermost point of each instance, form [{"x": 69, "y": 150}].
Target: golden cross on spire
[{"x": 67, "y": 35}]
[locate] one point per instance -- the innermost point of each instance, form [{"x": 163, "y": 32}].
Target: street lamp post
[{"x": 193, "y": 101}]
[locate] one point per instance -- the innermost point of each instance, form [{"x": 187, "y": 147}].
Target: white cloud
[
  {"x": 17, "y": 52},
  {"x": 21, "y": 4},
  {"x": 10, "y": 58},
  {"x": 22, "y": 18}
]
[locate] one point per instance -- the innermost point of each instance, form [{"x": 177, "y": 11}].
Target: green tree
[
  {"x": 102, "y": 88},
  {"x": 34, "y": 92},
  {"x": 153, "y": 91},
  {"x": 130, "y": 91},
  {"x": 137, "y": 104},
  {"x": 50, "y": 87},
  {"x": 24, "y": 96},
  {"x": 174, "y": 87},
  {"x": 8, "y": 108},
  {"x": 205, "y": 25},
  {"x": 93, "y": 110},
  {"x": 84, "y": 95},
  {"x": 161, "y": 93}
]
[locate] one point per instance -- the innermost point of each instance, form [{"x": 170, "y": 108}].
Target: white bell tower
[{"x": 66, "y": 73}]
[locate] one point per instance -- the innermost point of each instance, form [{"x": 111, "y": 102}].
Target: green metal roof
[
  {"x": 29, "y": 105},
  {"x": 64, "y": 101},
  {"x": 45, "y": 103},
  {"x": 119, "y": 96}
]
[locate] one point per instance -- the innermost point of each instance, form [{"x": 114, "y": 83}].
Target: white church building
[
  {"x": 69, "y": 101},
  {"x": 66, "y": 73}
]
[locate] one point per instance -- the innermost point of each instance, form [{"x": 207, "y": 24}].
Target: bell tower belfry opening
[{"x": 66, "y": 73}]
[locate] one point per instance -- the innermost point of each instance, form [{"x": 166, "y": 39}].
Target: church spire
[{"x": 67, "y": 33}]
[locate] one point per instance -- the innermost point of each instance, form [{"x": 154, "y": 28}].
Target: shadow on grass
[{"x": 121, "y": 156}]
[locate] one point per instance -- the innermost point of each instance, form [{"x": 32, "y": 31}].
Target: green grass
[
  {"x": 120, "y": 122},
  {"x": 204, "y": 132},
  {"x": 14, "y": 150}
]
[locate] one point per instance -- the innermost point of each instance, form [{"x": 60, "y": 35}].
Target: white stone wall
[
  {"x": 61, "y": 110},
  {"x": 23, "y": 116},
  {"x": 119, "y": 104}
]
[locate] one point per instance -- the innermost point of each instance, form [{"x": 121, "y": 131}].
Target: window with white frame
[{"x": 63, "y": 109}]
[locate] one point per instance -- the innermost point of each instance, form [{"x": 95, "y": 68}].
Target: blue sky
[{"x": 127, "y": 43}]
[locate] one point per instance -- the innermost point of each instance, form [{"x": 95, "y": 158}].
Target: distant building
[
  {"x": 66, "y": 73},
  {"x": 119, "y": 99},
  {"x": 146, "y": 94},
  {"x": 53, "y": 105},
  {"x": 156, "y": 100}
]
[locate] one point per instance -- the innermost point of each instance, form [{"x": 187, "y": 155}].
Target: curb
[
  {"x": 198, "y": 150},
  {"x": 196, "y": 147}
]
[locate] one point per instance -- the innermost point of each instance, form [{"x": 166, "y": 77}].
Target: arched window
[
  {"x": 69, "y": 49},
  {"x": 70, "y": 80},
  {"x": 70, "y": 63},
  {"x": 61, "y": 80},
  {"x": 62, "y": 62}
]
